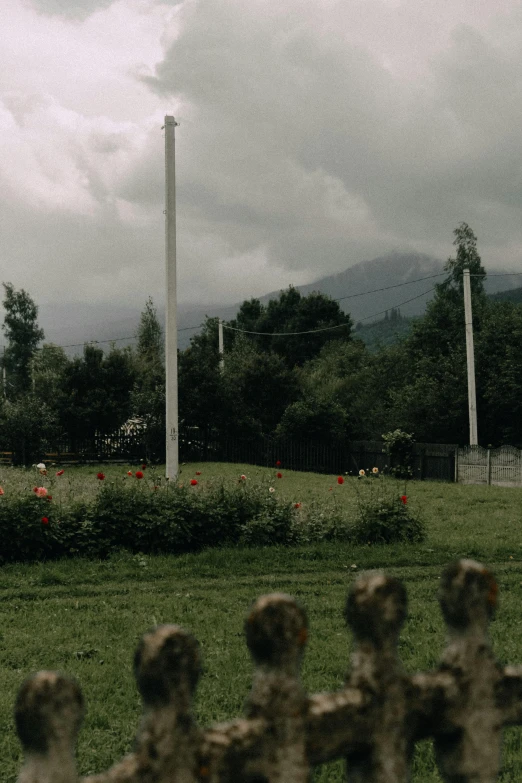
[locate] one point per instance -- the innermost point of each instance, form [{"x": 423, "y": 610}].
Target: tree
[
  {"x": 148, "y": 394},
  {"x": 150, "y": 343},
  {"x": 257, "y": 387},
  {"x": 292, "y": 312},
  {"x": 467, "y": 257},
  {"x": 23, "y": 335},
  {"x": 27, "y": 428},
  {"x": 200, "y": 389},
  {"x": 432, "y": 401},
  {"x": 98, "y": 392}
]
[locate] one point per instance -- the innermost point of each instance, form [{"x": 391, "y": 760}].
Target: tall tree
[
  {"x": 23, "y": 335},
  {"x": 291, "y": 312},
  {"x": 148, "y": 394}
]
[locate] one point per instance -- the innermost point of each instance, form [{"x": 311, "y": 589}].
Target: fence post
[
  {"x": 488, "y": 467},
  {"x": 457, "y": 465}
]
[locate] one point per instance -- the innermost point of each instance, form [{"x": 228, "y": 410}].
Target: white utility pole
[
  {"x": 220, "y": 343},
  {"x": 171, "y": 327},
  {"x": 470, "y": 356}
]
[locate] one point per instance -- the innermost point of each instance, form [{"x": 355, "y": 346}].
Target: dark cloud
[{"x": 307, "y": 138}]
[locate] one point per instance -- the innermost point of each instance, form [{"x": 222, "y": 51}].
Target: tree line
[{"x": 294, "y": 367}]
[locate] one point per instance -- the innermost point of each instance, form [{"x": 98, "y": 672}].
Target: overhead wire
[{"x": 338, "y": 299}]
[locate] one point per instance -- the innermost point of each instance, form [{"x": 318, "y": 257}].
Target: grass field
[{"x": 86, "y": 617}]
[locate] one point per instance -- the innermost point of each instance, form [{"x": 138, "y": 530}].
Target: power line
[
  {"x": 388, "y": 287},
  {"x": 326, "y": 328}
]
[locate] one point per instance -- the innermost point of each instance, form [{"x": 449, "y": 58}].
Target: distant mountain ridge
[{"x": 77, "y": 323}]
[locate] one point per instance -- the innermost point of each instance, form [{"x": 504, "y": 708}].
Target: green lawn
[{"x": 86, "y": 617}]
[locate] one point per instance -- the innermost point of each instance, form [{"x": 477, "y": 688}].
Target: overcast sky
[{"x": 314, "y": 134}]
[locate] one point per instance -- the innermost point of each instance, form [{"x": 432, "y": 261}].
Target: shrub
[
  {"x": 398, "y": 446},
  {"x": 383, "y": 514}
]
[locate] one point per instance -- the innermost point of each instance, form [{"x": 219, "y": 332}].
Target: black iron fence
[{"x": 428, "y": 460}]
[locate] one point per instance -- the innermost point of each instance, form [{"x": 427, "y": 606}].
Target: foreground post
[
  {"x": 373, "y": 721},
  {"x": 171, "y": 333}
]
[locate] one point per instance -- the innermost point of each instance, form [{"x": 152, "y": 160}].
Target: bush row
[{"x": 181, "y": 519}]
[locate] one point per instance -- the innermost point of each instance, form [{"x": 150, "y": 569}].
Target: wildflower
[
  {"x": 60, "y": 472},
  {"x": 404, "y": 499},
  {"x": 278, "y": 463},
  {"x": 45, "y": 521},
  {"x": 297, "y": 505},
  {"x": 43, "y": 472},
  {"x": 129, "y": 473},
  {"x": 41, "y": 466},
  {"x": 143, "y": 467},
  {"x": 35, "y": 489},
  {"x": 362, "y": 472},
  {"x": 375, "y": 471},
  {"x": 100, "y": 476},
  {"x": 139, "y": 474},
  {"x": 242, "y": 477},
  {"x": 2, "y": 491},
  {"x": 49, "y": 497},
  {"x": 271, "y": 489},
  {"x": 279, "y": 475},
  {"x": 198, "y": 473},
  {"x": 40, "y": 492},
  {"x": 340, "y": 480},
  {"x": 193, "y": 482}
]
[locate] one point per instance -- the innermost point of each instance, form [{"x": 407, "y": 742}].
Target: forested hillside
[{"x": 295, "y": 366}]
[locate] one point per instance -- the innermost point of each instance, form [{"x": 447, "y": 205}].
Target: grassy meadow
[{"x": 85, "y": 617}]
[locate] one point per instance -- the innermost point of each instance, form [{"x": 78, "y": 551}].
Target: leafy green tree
[
  {"x": 23, "y": 335},
  {"x": 292, "y": 312},
  {"x": 98, "y": 392},
  {"x": 148, "y": 394},
  {"x": 257, "y": 387},
  {"x": 200, "y": 387},
  {"x": 28, "y": 427},
  {"x": 312, "y": 418},
  {"x": 499, "y": 375},
  {"x": 432, "y": 400}
]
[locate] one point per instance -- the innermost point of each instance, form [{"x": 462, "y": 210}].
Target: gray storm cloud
[{"x": 312, "y": 136}]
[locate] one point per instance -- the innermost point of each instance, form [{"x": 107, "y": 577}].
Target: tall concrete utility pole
[
  {"x": 171, "y": 327},
  {"x": 220, "y": 345},
  {"x": 470, "y": 356}
]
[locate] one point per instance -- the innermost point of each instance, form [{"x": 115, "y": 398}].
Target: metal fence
[
  {"x": 429, "y": 460},
  {"x": 373, "y": 722}
]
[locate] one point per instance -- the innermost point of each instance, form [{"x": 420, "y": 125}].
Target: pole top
[{"x": 169, "y": 120}]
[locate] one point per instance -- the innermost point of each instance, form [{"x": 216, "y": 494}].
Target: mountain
[
  {"x": 513, "y": 295},
  {"x": 72, "y": 324}
]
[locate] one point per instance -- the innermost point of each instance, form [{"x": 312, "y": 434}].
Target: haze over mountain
[{"x": 73, "y": 324}]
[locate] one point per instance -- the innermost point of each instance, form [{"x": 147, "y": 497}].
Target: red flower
[
  {"x": 60, "y": 473},
  {"x": 143, "y": 467},
  {"x": 100, "y": 476},
  {"x": 49, "y": 497},
  {"x": 278, "y": 463},
  {"x": 193, "y": 482},
  {"x": 279, "y": 475},
  {"x": 404, "y": 499},
  {"x": 45, "y": 521},
  {"x": 198, "y": 473},
  {"x": 35, "y": 489},
  {"x": 129, "y": 473},
  {"x": 340, "y": 480},
  {"x": 138, "y": 474},
  {"x": 297, "y": 505}
]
